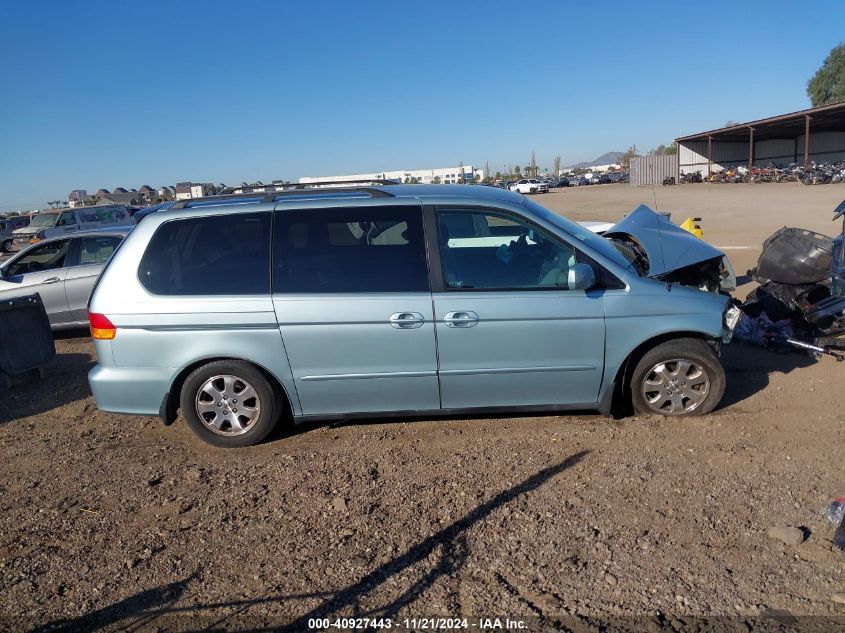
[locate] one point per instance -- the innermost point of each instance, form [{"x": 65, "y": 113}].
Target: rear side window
[
  {"x": 97, "y": 250},
  {"x": 368, "y": 249},
  {"x": 218, "y": 255}
]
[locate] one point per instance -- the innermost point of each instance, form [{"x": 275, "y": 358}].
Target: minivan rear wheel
[
  {"x": 682, "y": 377},
  {"x": 8, "y": 246},
  {"x": 229, "y": 403}
]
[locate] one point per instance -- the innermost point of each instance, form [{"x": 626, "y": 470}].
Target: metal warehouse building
[{"x": 814, "y": 135}]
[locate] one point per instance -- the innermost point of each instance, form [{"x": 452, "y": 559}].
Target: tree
[
  {"x": 730, "y": 123},
  {"x": 435, "y": 180},
  {"x": 517, "y": 171},
  {"x": 533, "y": 168},
  {"x": 557, "y": 166},
  {"x": 627, "y": 156},
  {"x": 498, "y": 175},
  {"x": 663, "y": 150},
  {"x": 828, "y": 84}
]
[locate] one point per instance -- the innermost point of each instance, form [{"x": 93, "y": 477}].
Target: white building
[
  {"x": 189, "y": 190},
  {"x": 445, "y": 175}
]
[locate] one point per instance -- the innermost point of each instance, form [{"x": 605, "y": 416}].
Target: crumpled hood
[{"x": 667, "y": 246}]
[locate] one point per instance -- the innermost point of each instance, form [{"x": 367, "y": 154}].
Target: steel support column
[
  {"x": 709, "y": 155},
  {"x": 806, "y": 141},
  {"x": 750, "y": 148}
]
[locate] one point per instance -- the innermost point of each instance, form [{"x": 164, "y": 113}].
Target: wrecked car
[
  {"x": 392, "y": 300},
  {"x": 799, "y": 302}
]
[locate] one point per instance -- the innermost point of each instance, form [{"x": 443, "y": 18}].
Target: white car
[
  {"x": 597, "y": 226},
  {"x": 529, "y": 185}
]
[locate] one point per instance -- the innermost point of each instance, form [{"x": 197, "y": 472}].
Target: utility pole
[{"x": 533, "y": 170}]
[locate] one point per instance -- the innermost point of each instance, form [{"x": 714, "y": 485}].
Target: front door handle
[
  {"x": 51, "y": 280},
  {"x": 461, "y": 319},
  {"x": 406, "y": 320}
]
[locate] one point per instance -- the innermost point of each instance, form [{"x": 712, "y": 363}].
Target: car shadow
[
  {"x": 748, "y": 369},
  {"x": 448, "y": 547},
  {"x": 285, "y": 431}
]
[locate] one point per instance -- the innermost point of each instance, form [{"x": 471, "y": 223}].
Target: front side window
[
  {"x": 361, "y": 250},
  {"x": 97, "y": 250},
  {"x": 215, "y": 255},
  {"x": 484, "y": 250},
  {"x": 66, "y": 219},
  {"x": 42, "y": 257}
]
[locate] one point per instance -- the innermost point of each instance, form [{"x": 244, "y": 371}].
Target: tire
[
  {"x": 683, "y": 360},
  {"x": 8, "y": 246},
  {"x": 230, "y": 422}
]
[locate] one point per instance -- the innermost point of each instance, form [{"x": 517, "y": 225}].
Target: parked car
[
  {"x": 393, "y": 300},
  {"x": 529, "y": 185},
  {"x": 8, "y": 225},
  {"x": 578, "y": 181},
  {"x": 52, "y": 223},
  {"x": 605, "y": 179},
  {"x": 63, "y": 271},
  {"x": 563, "y": 182}
]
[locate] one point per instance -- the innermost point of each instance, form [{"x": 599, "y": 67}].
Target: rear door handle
[
  {"x": 406, "y": 320},
  {"x": 461, "y": 319},
  {"x": 51, "y": 280}
]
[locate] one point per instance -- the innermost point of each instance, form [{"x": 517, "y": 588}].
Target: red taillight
[{"x": 101, "y": 327}]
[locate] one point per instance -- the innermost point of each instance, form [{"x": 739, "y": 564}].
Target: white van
[{"x": 53, "y": 223}]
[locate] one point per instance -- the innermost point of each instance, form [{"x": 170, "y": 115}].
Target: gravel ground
[
  {"x": 110, "y": 518},
  {"x": 571, "y": 522}
]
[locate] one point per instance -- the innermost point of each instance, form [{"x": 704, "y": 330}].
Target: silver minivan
[{"x": 402, "y": 300}]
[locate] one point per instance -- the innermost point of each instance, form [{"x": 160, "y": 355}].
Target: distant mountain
[{"x": 609, "y": 158}]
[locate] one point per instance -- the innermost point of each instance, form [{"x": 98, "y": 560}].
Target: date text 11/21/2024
[{"x": 418, "y": 624}]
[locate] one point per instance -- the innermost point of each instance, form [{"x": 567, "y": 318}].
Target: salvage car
[
  {"x": 402, "y": 300},
  {"x": 8, "y": 224},
  {"x": 529, "y": 185},
  {"x": 54, "y": 223},
  {"x": 62, "y": 270},
  {"x": 800, "y": 301}
]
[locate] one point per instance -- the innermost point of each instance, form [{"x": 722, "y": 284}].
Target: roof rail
[
  {"x": 298, "y": 189},
  {"x": 338, "y": 183}
]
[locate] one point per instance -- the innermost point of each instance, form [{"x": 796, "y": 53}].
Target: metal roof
[{"x": 822, "y": 119}]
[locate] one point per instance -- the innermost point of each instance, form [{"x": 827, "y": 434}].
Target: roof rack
[{"x": 292, "y": 189}]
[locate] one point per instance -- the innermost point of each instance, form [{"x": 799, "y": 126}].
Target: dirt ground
[{"x": 571, "y": 522}]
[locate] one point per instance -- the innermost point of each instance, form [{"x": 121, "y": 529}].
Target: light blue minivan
[{"x": 335, "y": 303}]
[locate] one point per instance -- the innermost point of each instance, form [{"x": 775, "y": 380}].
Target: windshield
[
  {"x": 598, "y": 243},
  {"x": 43, "y": 220}
]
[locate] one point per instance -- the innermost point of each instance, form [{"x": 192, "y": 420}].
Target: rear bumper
[{"x": 131, "y": 390}]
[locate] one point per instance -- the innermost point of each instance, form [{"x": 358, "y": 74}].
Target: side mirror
[{"x": 581, "y": 277}]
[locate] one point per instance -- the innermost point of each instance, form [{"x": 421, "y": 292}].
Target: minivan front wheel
[
  {"x": 678, "y": 378},
  {"x": 229, "y": 404}
]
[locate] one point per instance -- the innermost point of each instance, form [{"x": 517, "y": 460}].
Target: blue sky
[{"x": 108, "y": 94}]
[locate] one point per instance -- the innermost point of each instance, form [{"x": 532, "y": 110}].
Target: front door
[
  {"x": 353, "y": 302},
  {"x": 41, "y": 270},
  {"x": 509, "y": 330}
]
